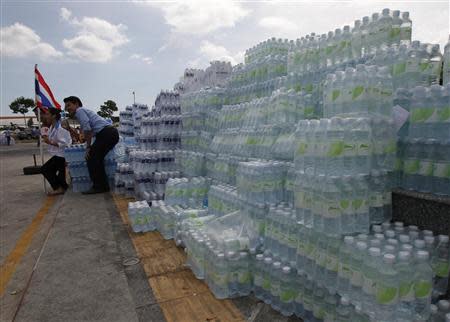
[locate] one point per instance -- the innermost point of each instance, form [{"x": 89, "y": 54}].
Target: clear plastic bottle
[
  {"x": 370, "y": 266},
  {"x": 423, "y": 284},
  {"x": 405, "y": 269},
  {"x": 441, "y": 265},
  {"x": 288, "y": 293},
  {"x": 387, "y": 289}
]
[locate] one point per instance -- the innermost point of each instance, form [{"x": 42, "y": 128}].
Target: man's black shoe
[{"x": 94, "y": 191}]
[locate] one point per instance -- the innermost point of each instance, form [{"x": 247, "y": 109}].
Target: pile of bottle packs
[
  {"x": 424, "y": 145},
  {"x": 277, "y": 176},
  {"x": 79, "y": 173}
]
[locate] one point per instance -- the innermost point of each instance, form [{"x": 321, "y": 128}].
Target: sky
[{"x": 101, "y": 50}]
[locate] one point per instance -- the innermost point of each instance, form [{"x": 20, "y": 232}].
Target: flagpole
[{"x": 40, "y": 134}]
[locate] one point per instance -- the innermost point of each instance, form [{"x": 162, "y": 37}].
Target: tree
[
  {"x": 30, "y": 122},
  {"x": 22, "y": 105},
  {"x": 107, "y": 109}
]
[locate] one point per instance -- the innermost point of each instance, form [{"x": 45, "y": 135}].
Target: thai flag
[{"x": 44, "y": 95}]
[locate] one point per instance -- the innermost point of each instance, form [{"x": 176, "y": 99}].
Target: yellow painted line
[{"x": 9, "y": 266}]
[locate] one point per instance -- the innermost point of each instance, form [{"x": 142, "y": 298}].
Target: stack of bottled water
[
  {"x": 161, "y": 127},
  {"x": 222, "y": 167},
  {"x": 161, "y": 132},
  {"x": 364, "y": 90},
  {"x": 222, "y": 200},
  {"x": 348, "y": 46},
  {"x": 424, "y": 162},
  {"x": 284, "y": 146},
  {"x": 189, "y": 192},
  {"x": 126, "y": 127},
  {"x": 190, "y": 164},
  {"x": 124, "y": 179},
  {"x": 139, "y": 216},
  {"x": 411, "y": 64},
  {"x": 164, "y": 218},
  {"x": 261, "y": 181},
  {"x": 79, "y": 173},
  {"x": 344, "y": 146},
  {"x": 271, "y": 46},
  {"x": 167, "y": 103}
]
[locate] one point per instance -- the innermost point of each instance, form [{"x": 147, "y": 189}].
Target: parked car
[{"x": 26, "y": 134}]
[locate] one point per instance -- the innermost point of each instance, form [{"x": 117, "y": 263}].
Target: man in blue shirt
[{"x": 106, "y": 137}]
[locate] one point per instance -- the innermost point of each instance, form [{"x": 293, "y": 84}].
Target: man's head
[{"x": 71, "y": 104}]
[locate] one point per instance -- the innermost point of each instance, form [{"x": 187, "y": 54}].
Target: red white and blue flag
[{"x": 44, "y": 95}]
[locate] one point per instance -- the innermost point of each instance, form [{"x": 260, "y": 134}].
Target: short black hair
[
  {"x": 55, "y": 111},
  {"x": 74, "y": 100}
]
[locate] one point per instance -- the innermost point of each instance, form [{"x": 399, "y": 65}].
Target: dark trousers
[
  {"x": 105, "y": 140},
  {"x": 54, "y": 170},
  {"x": 8, "y": 140}
]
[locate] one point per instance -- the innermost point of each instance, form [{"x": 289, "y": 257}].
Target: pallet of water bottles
[{"x": 78, "y": 169}]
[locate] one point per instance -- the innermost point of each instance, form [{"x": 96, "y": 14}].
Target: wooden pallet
[{"x": 180, "y": 295}]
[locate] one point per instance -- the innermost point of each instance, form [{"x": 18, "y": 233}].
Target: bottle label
[
  {"x": 426, "y": 168},
  {"x": 422, "y": 289},
  {"x": 266, "y": 283},
  {"x": 364, "y": 149},
  {"x": 443, "y": 114},
  {"x": 335, "y": 149},
  {"x": 349, "y": 149},
  {"x": 357, "y": 92},
  {"x": 287, "y": 295},
  {"x": 411, "y": 166},
  {"x": 420, "y": 115},
  {"x": 335, "y": 94},
  {"x": 395, "y": 32},
  {"x": 386, "y": 294},
  {"x": 406, "y": 291},
  {"x": 442, "y": 269},
  {"x": 399, "y": 68},
  {"x": 442, "y": 170},
  {"x": 345, "y": 206},
  {"x": 244, "y": 277}
]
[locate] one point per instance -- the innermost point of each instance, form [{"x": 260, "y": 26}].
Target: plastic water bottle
[
  {"x": 387, "y": 288},
  {"x": 405, "y": 269},
  {"x": 357, "y": 276},
  {"x": 221, "y": 274},
  {"x": 266, "y": 286},
  {"x": 441, "y": 265},
  {"x": 370, "y": 266},
  {"x": 422, "y": 286},
  {"x": 344, "y": 270},
  {"x": 258, "y": 276},
  {"x": 287, "y": 292},
  {"x": 244, "y": 274}
]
